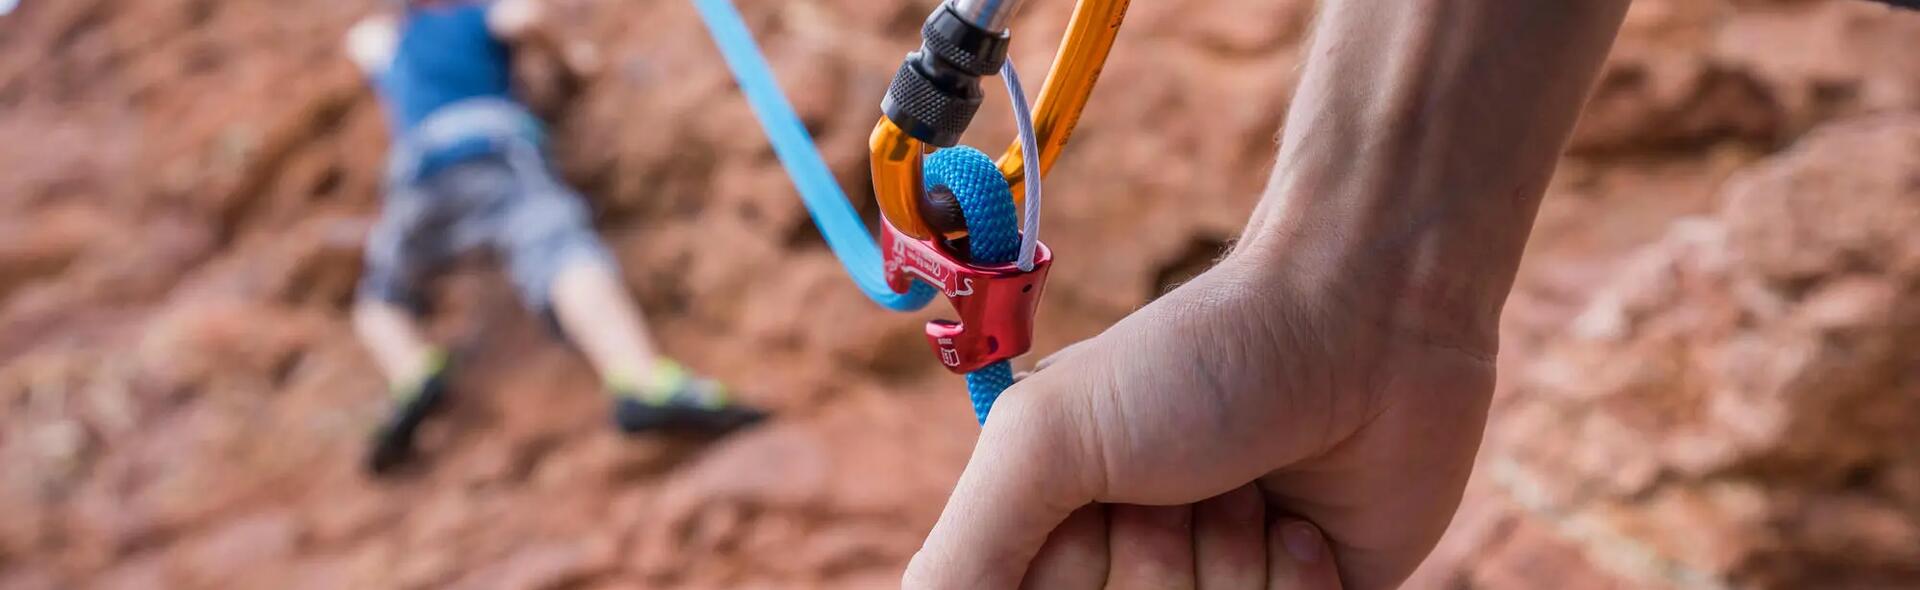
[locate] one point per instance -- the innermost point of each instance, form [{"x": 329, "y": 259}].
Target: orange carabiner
[{"x": 896, "y": 153}]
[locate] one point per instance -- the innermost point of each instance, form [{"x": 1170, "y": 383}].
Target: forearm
[{"x": 1418, "y": 147}]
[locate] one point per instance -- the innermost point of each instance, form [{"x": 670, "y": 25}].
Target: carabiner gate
[
  {"x": 936, "y": 92},
  {"x": 930, "y": 103}
]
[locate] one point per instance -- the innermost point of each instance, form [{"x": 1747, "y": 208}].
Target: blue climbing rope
[
  {"x": 839, "y": 224},
  {"x": 993, "y": 237},
  {"x": 986, "y": 200}
]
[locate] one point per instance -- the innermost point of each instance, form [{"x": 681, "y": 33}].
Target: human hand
[
  {"x": 1335, "y": 402},
  {"x": 582, "y": 58},
  {"x": 517, "y": 19},
  {"x": 1224, "y": 543},
  {"x": 531, "y": 22}
]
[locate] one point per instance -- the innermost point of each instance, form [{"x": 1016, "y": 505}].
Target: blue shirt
[{"x": 445, "y": 54}]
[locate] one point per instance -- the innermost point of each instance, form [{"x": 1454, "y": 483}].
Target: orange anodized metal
[
  {"x": 1083, "y": 53},
  {"x": 896, "y": 168}
]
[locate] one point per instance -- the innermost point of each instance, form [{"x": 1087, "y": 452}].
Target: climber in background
[{"x": 468, "y": 170}]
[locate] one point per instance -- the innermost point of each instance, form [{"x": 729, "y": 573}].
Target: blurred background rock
[{"x": 1710, "y": 373}]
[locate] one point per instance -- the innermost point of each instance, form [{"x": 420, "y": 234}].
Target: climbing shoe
[
  {"x": 393, "y": 441},
  {"x": 674, "y": 401}
]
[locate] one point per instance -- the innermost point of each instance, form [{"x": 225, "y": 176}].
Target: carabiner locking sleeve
[
  {"x": 931, "y": 102},
  {"x": 937, "y": 88}
]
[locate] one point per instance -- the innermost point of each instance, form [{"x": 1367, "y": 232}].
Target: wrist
[{"x": 1436, "y": 276}]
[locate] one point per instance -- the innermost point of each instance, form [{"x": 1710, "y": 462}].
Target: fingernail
[{"x": 1303, "y": 541}]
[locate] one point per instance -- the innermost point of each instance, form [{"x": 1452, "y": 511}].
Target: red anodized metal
[{"x": 996, "y": 302}]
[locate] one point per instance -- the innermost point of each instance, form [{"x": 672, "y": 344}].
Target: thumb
[
  {"x": 1030, "y": 469},
  {"x": 1298, "y": 558}
]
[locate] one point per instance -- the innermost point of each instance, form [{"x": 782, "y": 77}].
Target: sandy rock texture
[{"x": 1708, "y": 371}]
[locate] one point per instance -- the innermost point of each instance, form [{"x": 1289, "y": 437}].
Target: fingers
[
  {"x": 1075, "y": 556},
  {"x": 1027, "y": 473},
  {"x": 1151, "y": 547},
  {"x": 1298, "y": 558},
  {"x": 1229, "y": 541}
]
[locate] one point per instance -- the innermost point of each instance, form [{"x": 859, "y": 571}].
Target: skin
[
  {"x": 1229, "y": 542},
  {"x": 1337, "y": 366},
  {"x": 589, "y": 299}
]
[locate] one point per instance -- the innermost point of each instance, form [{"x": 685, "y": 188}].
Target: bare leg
[
  {"x": 412, "y": 366},
  {"x": 650, "y": 392},
  {"x": 389, "y": 331},
  {"x": 597, "y": 313}
]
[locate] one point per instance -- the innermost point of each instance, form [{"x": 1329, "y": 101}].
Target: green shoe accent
[
  {"x": 664, "y": 380},
  {"x": 393, "y": 439},
  {"x": 667, "y": 382},
  {"x": 405, "y": 390}
]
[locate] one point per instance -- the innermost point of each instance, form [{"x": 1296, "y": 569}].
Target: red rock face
[
  {"x": 1735, "y": 405},
  {"x": 1708, "y": 378}
]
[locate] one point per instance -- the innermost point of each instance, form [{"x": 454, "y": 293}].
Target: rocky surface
[
  {"x": 1708, "y": 379},
  {"x": 1735, "y": 406}
]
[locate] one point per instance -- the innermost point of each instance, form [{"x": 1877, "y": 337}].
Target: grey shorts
[{"x": 516, "y": 209}]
